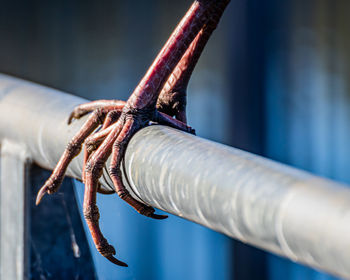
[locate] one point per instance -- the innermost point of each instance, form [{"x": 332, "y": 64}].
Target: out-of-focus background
[{"x": 273, "y": 80}]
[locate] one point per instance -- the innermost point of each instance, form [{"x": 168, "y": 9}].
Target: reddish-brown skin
[
  {"x": 172, "y": 99},
  {"x": 160, "y": 95}
]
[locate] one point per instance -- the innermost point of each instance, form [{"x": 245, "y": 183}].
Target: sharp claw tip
[
  {"x": 116, "y": 261},
  {"x": 159, "y": 217},
  {"x": 40, "y": 195},
  {"x": 71, "y": 117},
  {"x": 69, "y": 121},
  {"x": 37, "y": 202}
]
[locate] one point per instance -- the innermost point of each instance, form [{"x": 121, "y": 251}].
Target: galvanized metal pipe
[
  {"x": 264, "y": 203},
  {"x": 14, "y": 241}
]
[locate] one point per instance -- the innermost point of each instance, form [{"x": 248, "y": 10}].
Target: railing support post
[{"x": 13, "y": 230}]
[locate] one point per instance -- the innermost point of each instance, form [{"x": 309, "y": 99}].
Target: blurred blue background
[{"x": 273, "y": 80}]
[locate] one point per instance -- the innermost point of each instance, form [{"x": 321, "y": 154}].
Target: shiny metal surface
[
  {"x": 14, "y": 249},
  {"x": 264, "y": 203}
]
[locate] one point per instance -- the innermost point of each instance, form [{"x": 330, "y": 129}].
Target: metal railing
[{"x": 258, "y": 201}]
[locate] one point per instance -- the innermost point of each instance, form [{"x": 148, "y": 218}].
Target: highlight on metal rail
[{"x": 266, "y": 204}]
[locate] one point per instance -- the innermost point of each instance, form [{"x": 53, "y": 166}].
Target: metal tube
[
  {"x": 258, "y": 201},
  {"x": 14, "y": 249}
]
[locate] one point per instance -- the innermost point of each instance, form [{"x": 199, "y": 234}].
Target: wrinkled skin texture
[{"x": 159, "y": 97}]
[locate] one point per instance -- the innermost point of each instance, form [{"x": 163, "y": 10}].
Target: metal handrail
[{"x": 258, "y": 201}]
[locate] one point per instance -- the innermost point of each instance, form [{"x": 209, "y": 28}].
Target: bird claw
[
  {"x": 174, "y": 60},
  {"x": 74, "y": 115},
  {"x": 108, "y": 251},
  {"x": 70, "y": 118},
  {"x": 115, "y": 261},
  {"x": 149, "y": 212},
  {"x": 51, "y": 186},
  {"x": 158, "y": 217},
  {"x": 41, "y": 194}
]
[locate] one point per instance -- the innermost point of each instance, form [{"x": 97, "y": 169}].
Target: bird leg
[
  {"x": 140, "y": 107},
  {"x": 172, "y": 99},
  {"x": 180, "y": 52}
]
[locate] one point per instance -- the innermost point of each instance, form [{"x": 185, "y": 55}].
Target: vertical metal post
[{"x": 13, "y": 217}]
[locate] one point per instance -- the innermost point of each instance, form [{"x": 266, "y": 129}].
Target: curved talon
[
  {"x": 148, "y": 211},
  {"x": 108, "y": 251},
  {"x": 115, "y": 261},
  {"x": 40, "y": 194},
  {"x": 76, "y": 115},
  {"x": 158, "y": 217},
  {"x": 70, "y": 118}
]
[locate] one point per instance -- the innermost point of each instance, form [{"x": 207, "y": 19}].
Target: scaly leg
[
  {"x": 136, "y": 114},
  {"x": 138, "y": 111},
  {"x": 172, "y": 99}
]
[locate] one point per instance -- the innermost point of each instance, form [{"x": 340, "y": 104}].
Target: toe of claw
[
  {"x": 40, "y": 194},
  {"x": 116, "y": 261}
]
